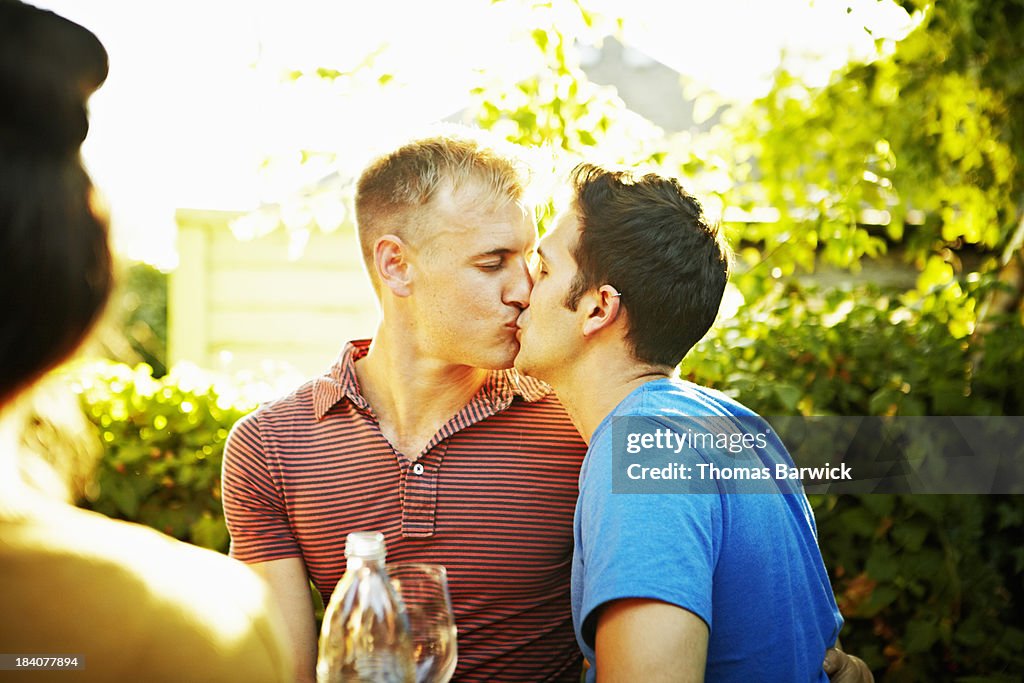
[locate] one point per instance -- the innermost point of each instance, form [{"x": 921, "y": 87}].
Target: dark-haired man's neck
[
  {"x": 413, "y": 396},
  {"x": 598, "y": 382}
]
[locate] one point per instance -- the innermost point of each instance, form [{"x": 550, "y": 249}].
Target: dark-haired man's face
[{"x": 549, "y": 332}]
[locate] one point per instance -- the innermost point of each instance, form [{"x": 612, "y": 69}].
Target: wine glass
[{"x": 424, "y": 590}]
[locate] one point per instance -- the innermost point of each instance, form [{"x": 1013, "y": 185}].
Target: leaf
[
  {"x": 121, "y": 493},
  {"x": 209, "y": 532},
  {"x": 882, "y": 565},
  {"x": 540, "y": 38},
  {"x": 788, "y": 395},
  {"x": 909, "y": 535},
  {"x": 882, "y": 401},
  {"x": 880, "y": 504},
  {"x": 920, "y": 636},
  {"x": 882, "y": 597},
  {"x": 859, "y": 522}
]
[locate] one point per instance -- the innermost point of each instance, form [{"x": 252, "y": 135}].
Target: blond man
[{"x": 425, "y": 433}]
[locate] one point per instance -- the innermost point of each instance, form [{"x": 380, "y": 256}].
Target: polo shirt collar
[{"x": 497, "y": 393}]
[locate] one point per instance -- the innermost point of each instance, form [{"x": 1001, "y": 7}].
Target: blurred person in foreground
[
  {"x": 131, "y": 604},
  {"x": 426, "y": 433},
  {"x": 686, "y": 586}
]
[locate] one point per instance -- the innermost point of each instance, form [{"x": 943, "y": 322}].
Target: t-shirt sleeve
[
  {"x": 253, "y": 506},
  {"x": 658, "y": 546}
]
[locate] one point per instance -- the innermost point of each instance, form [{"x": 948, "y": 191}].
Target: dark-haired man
[{"x": 665, "y": 587}]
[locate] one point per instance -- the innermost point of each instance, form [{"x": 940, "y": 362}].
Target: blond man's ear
[{"x": 391, "y": 265}]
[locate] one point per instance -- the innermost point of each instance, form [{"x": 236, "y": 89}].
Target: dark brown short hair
[{"x": 647, "y": 237}]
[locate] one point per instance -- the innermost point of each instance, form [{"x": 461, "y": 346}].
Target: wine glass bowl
[{"x": 424, "y": 590}]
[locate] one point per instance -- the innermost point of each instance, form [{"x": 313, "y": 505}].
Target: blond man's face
[{"x": 471, "y": 281}]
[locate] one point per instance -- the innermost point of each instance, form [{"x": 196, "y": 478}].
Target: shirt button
[{"x": 417, "y": 469}]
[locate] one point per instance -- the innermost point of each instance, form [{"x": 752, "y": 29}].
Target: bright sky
[
  {"x": 195, "y": 101},
  {"x": 734, "y": 46}
]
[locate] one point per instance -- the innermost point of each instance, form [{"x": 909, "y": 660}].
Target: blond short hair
[{"x": 395, "y": 191}]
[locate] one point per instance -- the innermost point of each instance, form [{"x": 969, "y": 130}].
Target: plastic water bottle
[{"x": 365, "y": 635}]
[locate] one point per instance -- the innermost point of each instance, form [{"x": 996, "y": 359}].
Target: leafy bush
[
  {"x": 929, "y": 585},
  {"x": 134, "y": 327},
  {"x": 143, "y": 307},
  {"x": 164, "y": 441},
  {"x": 798, "y": 351}
]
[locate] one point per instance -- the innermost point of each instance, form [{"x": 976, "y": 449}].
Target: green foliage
[
  {"x": 858, "y": 352},
  {"x": 928, "y": 137},
  {"x": 559, "y": 106},
  {"x": 933, "y": 127},
  {"x": 929, "y": 585},
  {"x": 143, "y": 301},
  {"x": 559, "y": 109},
  {"x": 163, "y": 442},
  {"x": 134, "y": 329}
]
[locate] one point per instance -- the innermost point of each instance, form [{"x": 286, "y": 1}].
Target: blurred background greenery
[{"x": 878, "y": 220}]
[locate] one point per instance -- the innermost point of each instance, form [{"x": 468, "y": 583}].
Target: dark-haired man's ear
[
  {"x": 391, "y": 264},
  {"x": 602, "y": 308}
]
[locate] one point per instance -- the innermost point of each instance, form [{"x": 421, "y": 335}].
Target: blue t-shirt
[{"x": 748, "y": 564}]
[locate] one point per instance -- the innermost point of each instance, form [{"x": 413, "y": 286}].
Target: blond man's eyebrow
[{"x": 501, "y": 251}]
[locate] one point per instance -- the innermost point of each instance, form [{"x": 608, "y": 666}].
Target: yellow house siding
[{"x": 235, "y": 304}]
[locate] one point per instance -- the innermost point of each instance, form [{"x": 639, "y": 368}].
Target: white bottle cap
[{"x": 366, "y": 545}]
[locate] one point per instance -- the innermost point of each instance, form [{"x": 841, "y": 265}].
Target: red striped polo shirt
[{"x": 492, "y": 499}]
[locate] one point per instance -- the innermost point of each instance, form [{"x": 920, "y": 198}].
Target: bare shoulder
[{"x": 123, "y": 588}]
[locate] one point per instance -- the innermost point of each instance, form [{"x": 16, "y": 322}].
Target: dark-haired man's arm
[
  {"x": 654, "y": 641},
  {"x": 651, "y": 641}
]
